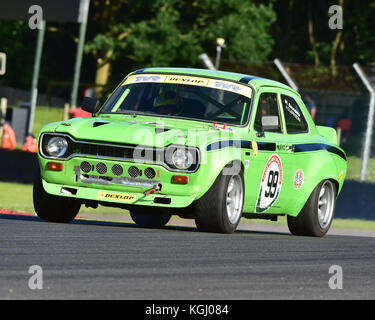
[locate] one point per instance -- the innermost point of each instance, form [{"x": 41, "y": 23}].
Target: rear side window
[
  {"x": 294, "y": 119},
  {"x": 267, "y": 106}
]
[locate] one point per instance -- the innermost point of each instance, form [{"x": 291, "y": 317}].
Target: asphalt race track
[{"x": 102, "y": 260}]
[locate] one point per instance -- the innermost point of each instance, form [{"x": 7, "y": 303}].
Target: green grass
[
  {"x": 18, "y": 197},
  {"x": 10, "y": 199},
  {"x": 45, "y": 115},
  {"x": 354, "y": 169},
  {"x": 337, "y": 223}
]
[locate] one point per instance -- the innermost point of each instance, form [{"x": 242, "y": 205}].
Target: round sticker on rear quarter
[
  {"x": 270, "y": 184},
  {"x": 299, "y": 179}
]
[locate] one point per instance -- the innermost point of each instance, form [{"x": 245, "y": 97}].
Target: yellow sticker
[
  {"x": 116, "y": 196},
  {"x": 187, "y": 80},
  {"x": 193, "y": 81},
  {"x": 254, "y": 145},
  {"x": 143, "y": 78},
  {"x": 341, "y": 175}
]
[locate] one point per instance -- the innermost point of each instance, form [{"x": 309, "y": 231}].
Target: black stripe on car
[
  {"x": 247, "y": 79},
  {"x": 307, "y": 147},
  {"x": 243, "y": 144},
  {"x": 270, "y": 146}
]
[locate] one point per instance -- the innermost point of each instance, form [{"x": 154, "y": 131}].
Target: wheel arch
[{"x": 215, "y": 173}]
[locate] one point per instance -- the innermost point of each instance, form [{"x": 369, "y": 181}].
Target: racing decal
[
  {"x": 299, "y": 179},
  {"x": 341, "y": 175},
  {"x": 187, "y": 80},
  {"x": 145, "y": 78},
  {"x": 222, "y": 127},
  {"x": 191, "y": 80},
  {"x": 247, "y": 164},
  {"x": 270, "y": 184},
  {"x": 294, "y": 112},
  {"x": 254, "y": 146},
  {"x": 116, "y": 196}
]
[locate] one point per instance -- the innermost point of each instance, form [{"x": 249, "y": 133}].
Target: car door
[
  {"x": 269, "y": 165},
  {"x": 298, "y": 136}
]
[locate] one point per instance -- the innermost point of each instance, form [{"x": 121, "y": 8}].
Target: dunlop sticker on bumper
[{"x": 116, "y": 196}]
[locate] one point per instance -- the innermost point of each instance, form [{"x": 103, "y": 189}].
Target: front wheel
[
  {"x": 53, "y": 208},
  {"x": 316, "y": 216},
  {"x": 150, "y": 220},
  {"x": 220, "y": 209}
]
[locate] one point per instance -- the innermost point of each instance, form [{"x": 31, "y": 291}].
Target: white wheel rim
[
  {"x": 234, "y": 199},
  {"x": 326, "y": 203}
]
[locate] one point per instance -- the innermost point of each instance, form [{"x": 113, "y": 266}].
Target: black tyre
[
  {"x": 316, "y": 217},
  {"x": 150, "y": 220},
  {"x": 220, "y": 209},
  {"x": 53, "y": 208}
]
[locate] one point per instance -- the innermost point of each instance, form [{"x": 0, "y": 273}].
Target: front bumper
[
  {"x": 129, "y": 198},
  {"x": 125, "y": 190}
]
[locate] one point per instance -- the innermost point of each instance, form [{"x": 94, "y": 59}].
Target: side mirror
[
  {"x": 90, "y": 105},
  {"x": 269, "y": 123}
]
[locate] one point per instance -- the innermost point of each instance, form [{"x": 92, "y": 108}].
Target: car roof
[{"x": 254, "y": 81}]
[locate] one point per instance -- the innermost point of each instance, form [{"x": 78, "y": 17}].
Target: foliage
[
  {"x": 124, "y": 35},
  {"x": 175, "y": 32}
]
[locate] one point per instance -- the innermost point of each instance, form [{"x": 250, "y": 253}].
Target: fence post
[
  {"x": 285, "y": 74},
  {"x": 34, "y": 83},
  {"x": 3, "y": 111},
  {"x": 207, "y": 62},
  {"x": 83, "y": 14},
  {"x": 3, "y": 62},
  {"x": 370, "y": 120},
  {"x": 66, "y": 111}
]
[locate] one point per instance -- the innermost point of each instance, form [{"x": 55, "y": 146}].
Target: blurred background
[{"x": 286, "y": 40}]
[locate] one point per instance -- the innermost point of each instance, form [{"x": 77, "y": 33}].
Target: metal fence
[{"x": 341, "y": 99}]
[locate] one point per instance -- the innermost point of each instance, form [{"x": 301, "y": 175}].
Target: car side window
[
  {"x": 294, "y": 119},
  {"x": 267, "y": 106}
]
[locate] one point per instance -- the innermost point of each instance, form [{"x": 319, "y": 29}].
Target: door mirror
[
  {"x": 270, "y": 123},
  {"x": 90, "y": 105}
]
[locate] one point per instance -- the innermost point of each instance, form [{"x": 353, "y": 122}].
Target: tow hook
[{"x": 155, "y": 189}]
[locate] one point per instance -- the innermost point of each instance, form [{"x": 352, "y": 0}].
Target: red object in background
[
  {"x": 9, "y": 138},
  {"x": 78, "y": 113},
  {"x": 345, "y": 125},
  {"x": 30, "y": 144}
]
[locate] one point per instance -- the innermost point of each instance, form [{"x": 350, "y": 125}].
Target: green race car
[{"x": 209, "y": 145}]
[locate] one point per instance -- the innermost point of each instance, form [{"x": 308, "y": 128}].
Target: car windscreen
[{"x": 207, "y": 99}]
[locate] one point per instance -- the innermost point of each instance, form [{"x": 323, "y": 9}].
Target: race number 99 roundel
[{"x": 270, "y": 185}]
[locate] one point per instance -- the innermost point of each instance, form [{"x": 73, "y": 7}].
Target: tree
[{"x": 174, "y": 32}]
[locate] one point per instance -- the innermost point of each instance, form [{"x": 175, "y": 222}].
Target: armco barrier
[
  {"x": 18, "y": 166},
  {"x": 356, "y": 200}
]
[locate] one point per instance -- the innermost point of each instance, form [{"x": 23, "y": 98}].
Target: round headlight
[
  {"x": 57, "y": 146},
  {"x": 182, "y": 159}
]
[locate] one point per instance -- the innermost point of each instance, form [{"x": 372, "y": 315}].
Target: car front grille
[
  {"x": 122, "y": 152},
  {"x": 105, "y": 151}
]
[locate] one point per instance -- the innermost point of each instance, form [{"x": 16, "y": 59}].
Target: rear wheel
[
  {"x": 220, "y": 209},
  {"x": 316, "y": 216},
  {"x": 53, "y": 208},
  {"x": 150, "y": 220}
]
